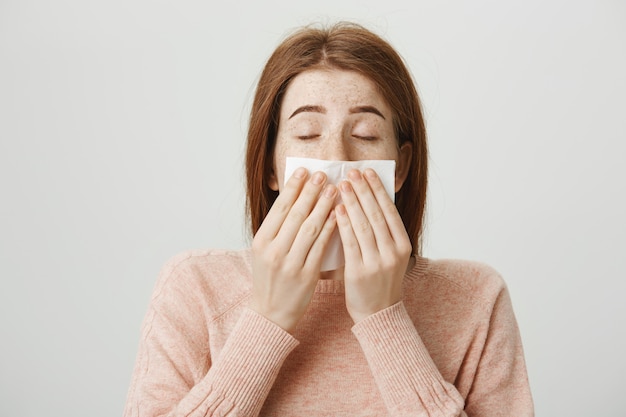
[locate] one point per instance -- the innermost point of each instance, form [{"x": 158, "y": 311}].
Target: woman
[{"x": 263, "y": 332}]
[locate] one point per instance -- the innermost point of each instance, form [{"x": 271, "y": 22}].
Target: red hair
[{"x": 344, "y": 46}]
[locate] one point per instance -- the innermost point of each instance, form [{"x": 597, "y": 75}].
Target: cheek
[
  {"x": 368, "y": 150},
  {"x": 279, "y": 172},
  {"x": 283, "y": 150},
  {"x": 279, "y": 162}
]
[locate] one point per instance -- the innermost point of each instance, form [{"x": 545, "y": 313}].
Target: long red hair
[{"x": 344, "y": 46}]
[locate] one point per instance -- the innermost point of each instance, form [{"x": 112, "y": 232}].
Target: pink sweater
[{"x": 450, "y": 348}]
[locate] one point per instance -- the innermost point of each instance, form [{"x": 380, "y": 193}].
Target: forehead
[{"x": 331, "y": 87}]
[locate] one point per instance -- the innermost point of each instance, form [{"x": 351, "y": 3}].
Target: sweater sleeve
[
  {"x": 411, "y": 384},
  {"x": 407, "y": 377},
  {"x": 176, "y": 375},
  {"x": 500, "y": 385}
]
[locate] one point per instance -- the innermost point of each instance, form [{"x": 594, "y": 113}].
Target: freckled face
[{"x": 336, "y": 115}]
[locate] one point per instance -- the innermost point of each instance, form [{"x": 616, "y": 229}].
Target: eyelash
[
  {"x": 307, "y": 137},
  {"x": 365, "y": 138}
]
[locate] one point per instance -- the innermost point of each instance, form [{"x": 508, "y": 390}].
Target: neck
[{"x": 337, "y": 274}]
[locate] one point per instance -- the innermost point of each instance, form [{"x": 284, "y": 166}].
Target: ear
[
  {"x": 272, "y": 181},
  {"x": 403, "y": 164}
]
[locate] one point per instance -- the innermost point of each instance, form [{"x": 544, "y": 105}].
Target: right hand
[{"x": 288, "y": 247}]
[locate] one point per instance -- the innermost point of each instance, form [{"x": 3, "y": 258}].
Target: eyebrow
[
  {"x": 314, "y": 109},
  {"x": 353, "y": 110},
  {"x": 367, "y": 109}
]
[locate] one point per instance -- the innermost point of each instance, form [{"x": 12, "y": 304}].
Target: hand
[
  {"x": 288, "y": 247},
  {"x": 376, "y": 245}
]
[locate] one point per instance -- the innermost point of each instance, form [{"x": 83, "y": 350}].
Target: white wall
[{"x": 122, "y": 128}]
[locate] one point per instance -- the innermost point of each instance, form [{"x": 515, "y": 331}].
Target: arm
[
  {"x": 407, "y": 378},
  {"x": 377, "y": 251},
  {"x": 176, "y": 374}
]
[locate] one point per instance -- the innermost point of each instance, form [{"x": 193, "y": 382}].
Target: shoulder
[
  {"x": 203, "y": 261},
  {"x": 473, "y": 281},
  {"x": 205, "y": 277}
]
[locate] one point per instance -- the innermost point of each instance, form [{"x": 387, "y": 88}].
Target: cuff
[
  {"x": 250, "y": 361},
  {"x": 403, "y": 369}
]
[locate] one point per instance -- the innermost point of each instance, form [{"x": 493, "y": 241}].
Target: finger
[
  {"x": 316, "y": 252},
  {"x": 280, "y": 209},
  {"x": 361, "y": 226},
  {"x": 351, "y": 247},
  {"x": 300, "y": 211},
  {"x": 313, "y": 231},
  {"x": 393, "y": 219},
  {"x": 370, "y": 206}
]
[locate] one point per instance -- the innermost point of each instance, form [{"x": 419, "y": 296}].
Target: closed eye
[
  {"x": 367, "y": 138},
  {"x": 306, "y": 137}
]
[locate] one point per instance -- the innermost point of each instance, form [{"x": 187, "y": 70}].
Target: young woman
[{"x": 262, "y": 331}]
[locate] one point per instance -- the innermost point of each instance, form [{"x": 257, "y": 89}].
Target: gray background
[{"x": 122, "y": 128}]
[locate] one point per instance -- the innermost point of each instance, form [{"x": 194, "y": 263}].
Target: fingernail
[
  {"x": 299, "y": 173},
  {"x": 370, "y": 173},
  {"x": 318, "y": 178},
  {"x": 345, "y": 186},
  {"x": 354, "y": 175},
  {"x": 340, "y": 210}
]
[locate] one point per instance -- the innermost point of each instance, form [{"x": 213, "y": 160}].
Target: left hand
[{"x": 376, "y": 245}]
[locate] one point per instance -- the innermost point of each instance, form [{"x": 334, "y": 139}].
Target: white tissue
[{"x": 337, "y": 171}]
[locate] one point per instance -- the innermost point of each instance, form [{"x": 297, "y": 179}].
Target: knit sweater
[{"x": 451, "y": 347}]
